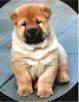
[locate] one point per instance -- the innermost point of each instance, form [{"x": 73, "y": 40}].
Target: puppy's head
[{"x": 31, "y": 23}]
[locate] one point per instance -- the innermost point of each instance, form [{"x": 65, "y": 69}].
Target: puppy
[{"x": 36, "y": 53}]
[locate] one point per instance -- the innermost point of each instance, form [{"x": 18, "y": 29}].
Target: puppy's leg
[
  {"x": 23, "y": 77},
  {"x": 63, "y": 76},
  {"x": 46, "y": 80}
]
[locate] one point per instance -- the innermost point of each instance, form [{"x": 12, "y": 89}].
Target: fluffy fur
[{"x": 44, "y": 61}]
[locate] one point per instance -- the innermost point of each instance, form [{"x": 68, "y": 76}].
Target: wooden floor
[{"x": 64, "y": 21}]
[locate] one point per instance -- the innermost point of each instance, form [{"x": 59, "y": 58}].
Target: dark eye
[
  {"x": 24, "y": 24},
  {"x": 38, "y": 22}
]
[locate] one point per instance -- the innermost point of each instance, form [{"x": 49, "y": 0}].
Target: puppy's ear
[
  {"x": 47, "y": 12},
  {"x": 13, "y": 18}
]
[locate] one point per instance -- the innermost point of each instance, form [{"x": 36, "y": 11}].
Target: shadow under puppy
[{"x": 36, "y": 53}]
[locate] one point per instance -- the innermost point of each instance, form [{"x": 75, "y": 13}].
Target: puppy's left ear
[
  {"x": 47, "y": 12},
  {"x": 13, "y": 18}
]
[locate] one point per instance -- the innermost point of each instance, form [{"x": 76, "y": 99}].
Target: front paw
[
  {"x": 43, "y": 90},
  {"x": 63, "y": 77},
  {"x": 24, "y": 89}
]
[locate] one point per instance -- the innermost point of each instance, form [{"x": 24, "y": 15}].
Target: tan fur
[{"x": 40, "y": 61}]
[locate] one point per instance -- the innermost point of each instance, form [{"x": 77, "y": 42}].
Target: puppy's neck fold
[{"x": 19, "y": 46}]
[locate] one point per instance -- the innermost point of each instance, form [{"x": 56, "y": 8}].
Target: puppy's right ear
[{"x": 13, "y": 18}]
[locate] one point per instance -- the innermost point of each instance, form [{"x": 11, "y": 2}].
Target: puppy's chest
[
  {"x": 39, "y": 62},
  {"x": 40, "y": 58}
]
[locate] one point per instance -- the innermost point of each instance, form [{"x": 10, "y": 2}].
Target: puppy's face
[{"x": 31, "y": 23}]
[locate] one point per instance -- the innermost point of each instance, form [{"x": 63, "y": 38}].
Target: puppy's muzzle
[{"x": 34, "y": 36}]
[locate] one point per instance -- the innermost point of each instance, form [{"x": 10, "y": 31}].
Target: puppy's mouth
[{"x": 34, "y": 36}]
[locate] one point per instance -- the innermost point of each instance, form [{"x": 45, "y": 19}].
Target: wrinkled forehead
[{"x": 30, "y": 10}]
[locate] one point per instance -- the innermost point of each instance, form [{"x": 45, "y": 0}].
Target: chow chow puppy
[{"x": 36, "y": 53}]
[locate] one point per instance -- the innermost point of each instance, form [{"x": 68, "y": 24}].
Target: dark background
[{"x": 72, "y": 95}]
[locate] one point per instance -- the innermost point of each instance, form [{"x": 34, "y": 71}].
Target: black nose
[
  {"x": 33, "y": 36},
  {"x": 33, "y": 31}
]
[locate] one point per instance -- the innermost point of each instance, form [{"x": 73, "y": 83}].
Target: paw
[
  {"x": 63, "y": 78},
  {"x": 44, "y": 92},
  {"x": 44, "y": 89},
  {"x": 25, "y": 91}
]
